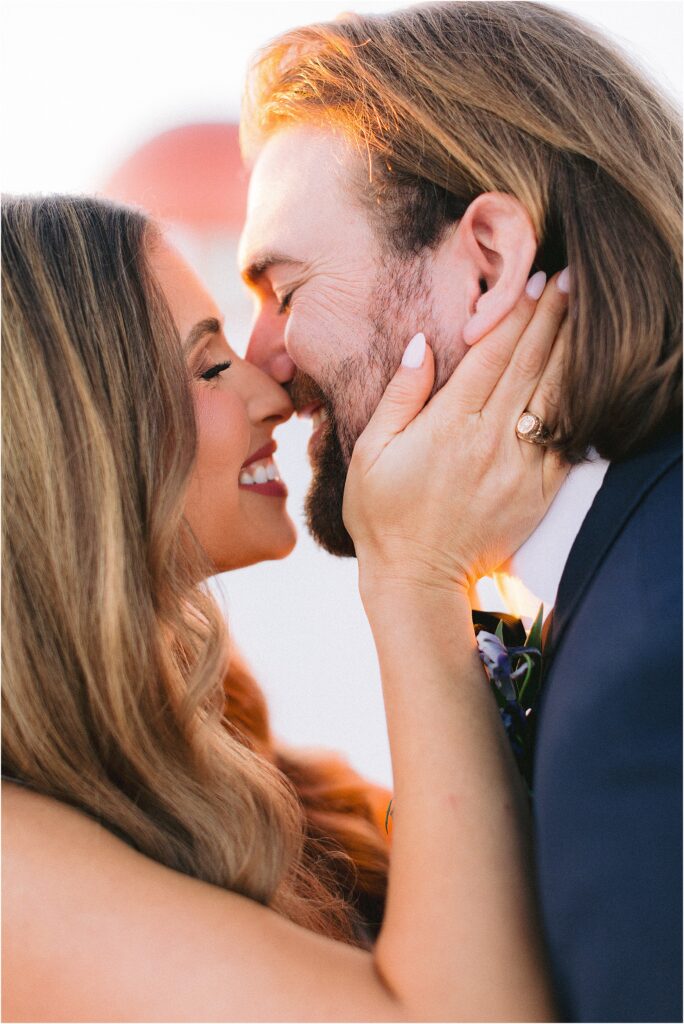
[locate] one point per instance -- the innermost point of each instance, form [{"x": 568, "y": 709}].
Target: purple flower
[
  {"x": 496, "y": 659},
  {"x": 515, "y": 675}
]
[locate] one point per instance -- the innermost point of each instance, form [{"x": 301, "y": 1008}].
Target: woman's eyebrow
[{"x": 210, "y": 325}]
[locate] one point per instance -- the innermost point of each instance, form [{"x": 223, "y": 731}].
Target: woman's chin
[
  {"x": 282, "y": 542},
  {"x": 268, "y": 549},
  {"x": 282, "y": 549}
]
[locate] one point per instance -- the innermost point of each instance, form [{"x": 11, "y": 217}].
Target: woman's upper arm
[{"x": 95, "y": 931}]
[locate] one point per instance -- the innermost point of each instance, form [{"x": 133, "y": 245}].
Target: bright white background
[{"x": 84, "y": 84}]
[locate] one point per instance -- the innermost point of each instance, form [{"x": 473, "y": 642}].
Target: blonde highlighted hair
[
  {"x": 446, "y": 101},
  {"x": 117, "y": 694}
]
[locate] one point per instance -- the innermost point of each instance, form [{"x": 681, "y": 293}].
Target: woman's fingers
[
  {"x": 483, "y": 365},
  {"x": 403, "y": 398},
  {"x": 528, "y": 361},
  {"x": 544, "y": 400},
  {"x": 444, "y": 495}
]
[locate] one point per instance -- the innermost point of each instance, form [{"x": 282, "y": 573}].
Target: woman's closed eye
[{"x": 215, "y": 370}]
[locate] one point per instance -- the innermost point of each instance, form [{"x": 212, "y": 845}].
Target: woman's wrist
[
  {"x": 399, "y": 600},
  {"x": 406, "y": 573}
]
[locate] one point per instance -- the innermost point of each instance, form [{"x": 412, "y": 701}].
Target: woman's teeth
[
  {"x": 260, "y": 472},
  {"x": 319, "y": 416}
]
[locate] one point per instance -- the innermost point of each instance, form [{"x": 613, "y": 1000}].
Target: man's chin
[{"x": 323, "y": 503}]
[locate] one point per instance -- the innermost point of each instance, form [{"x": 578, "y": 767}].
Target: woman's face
[{"x": 236, "y": 500}]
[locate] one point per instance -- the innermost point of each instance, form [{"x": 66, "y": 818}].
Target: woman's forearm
[{"x": 460, "y": 935}]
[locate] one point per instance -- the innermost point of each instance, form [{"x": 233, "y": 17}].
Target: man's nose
[{"x": 266, "y": 348}]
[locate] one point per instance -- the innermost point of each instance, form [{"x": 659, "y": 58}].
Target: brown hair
[
  {"x": 449, "y": 100},
  {"x": 115, "y": 671}
]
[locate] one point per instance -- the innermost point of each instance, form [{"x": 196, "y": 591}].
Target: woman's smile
[{"x": 261, "y": 475}]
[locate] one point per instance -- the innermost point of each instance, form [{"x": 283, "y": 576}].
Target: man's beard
[
  {"x": 353, "y": 391},
  {"x": 323, "y": 502}
]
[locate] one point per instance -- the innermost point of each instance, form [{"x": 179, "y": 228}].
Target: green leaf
[
  {"x": 500, "y": 632},
  {"x": 534, "y": 638},
  {"x": 529, "y": 675}
]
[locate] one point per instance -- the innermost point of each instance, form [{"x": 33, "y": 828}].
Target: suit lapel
[{"x": 625, "y": 485}]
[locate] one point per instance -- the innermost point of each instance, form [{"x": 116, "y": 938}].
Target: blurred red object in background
[
  {"x": 191, "y": 179},
  {"x": 191, "y": 176}
]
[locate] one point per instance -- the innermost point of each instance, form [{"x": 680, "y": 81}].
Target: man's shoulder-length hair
[{"x": 449, "y": 100}]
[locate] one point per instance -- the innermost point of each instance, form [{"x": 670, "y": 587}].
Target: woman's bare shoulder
[
  {"x": 24, "y": 810},
  {"x": 46, "y": 841},
  {"x": 114, "y": 935},
  {"x": 58, "y": 865}
]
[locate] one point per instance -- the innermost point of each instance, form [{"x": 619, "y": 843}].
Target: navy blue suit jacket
[{"x": 608, "y": 762}]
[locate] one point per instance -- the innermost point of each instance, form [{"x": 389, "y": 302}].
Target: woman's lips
[
  {"x": 271, "y": 489},
  {"x": 261, "y": 453},
  {"x": 260, "y": 475}
]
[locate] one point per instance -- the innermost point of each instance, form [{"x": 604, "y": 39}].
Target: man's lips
[
  {"x": 306, "y": 412},
  {"x": 317, "y": 412}
]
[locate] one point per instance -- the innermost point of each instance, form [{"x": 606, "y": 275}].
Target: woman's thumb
[{"x": 405, "y": 395}]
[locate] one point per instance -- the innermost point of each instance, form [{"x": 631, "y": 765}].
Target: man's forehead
[
  {"x": 298, "y": 155},
  {"x": 295, "y": 193}
]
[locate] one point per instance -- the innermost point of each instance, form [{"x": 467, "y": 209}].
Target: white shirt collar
[{"x": 532, "y": 575}]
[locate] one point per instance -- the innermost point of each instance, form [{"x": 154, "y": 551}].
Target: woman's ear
[{"x": 499, "y": 242}]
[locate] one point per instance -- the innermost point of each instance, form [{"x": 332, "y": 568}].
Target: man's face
[{"x": 334, "y": 309}]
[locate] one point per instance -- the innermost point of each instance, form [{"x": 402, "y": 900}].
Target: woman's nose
[{"x": 266, "y": 400}]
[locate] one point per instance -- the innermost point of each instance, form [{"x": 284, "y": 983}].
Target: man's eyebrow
[
  {"x": 265, "y": 261},
  {"x": 210, "y": 325}
]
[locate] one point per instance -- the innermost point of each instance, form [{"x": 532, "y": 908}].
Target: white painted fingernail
[
  {"x": 564, "y": 281},
  {"x": 535, "y": 285},
  {"x": 414, "y": 353}
]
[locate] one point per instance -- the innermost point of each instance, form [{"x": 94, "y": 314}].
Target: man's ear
[{"x": 499, "y": 243}]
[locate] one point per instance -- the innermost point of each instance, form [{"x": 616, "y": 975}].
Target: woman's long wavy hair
[
  {"x": 446, "y": 101},
  {"x": 116, "y": 694}
]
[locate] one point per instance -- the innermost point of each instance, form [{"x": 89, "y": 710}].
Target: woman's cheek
[
  {"x": 223, "y": 432},
  {"x": 212, "y": 499}
]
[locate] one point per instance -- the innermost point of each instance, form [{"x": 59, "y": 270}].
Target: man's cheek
[
  {"x": 353, "y": 407},
  {"x": 306, "y": 346},
  {"x": 371, "y": 401}
]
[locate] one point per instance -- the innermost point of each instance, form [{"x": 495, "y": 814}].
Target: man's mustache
[{"x": 303, "y": 390}]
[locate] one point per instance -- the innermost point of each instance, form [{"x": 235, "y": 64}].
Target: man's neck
[{"x": 532, "y": 575}]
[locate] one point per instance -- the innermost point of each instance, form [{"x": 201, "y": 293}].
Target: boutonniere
[{"x": 515, "y": 675}]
